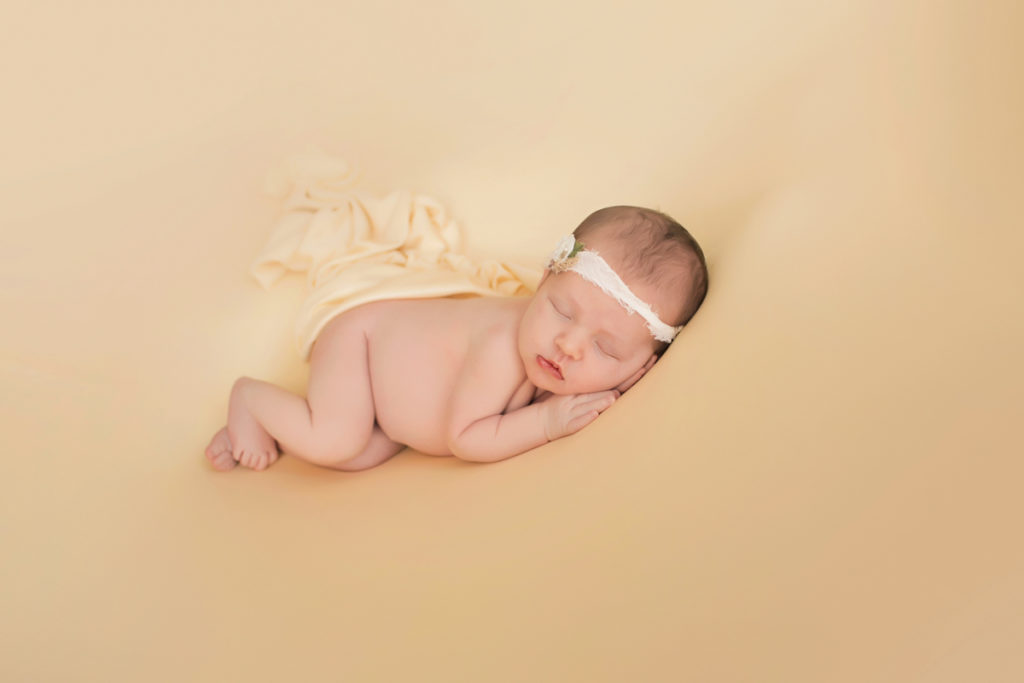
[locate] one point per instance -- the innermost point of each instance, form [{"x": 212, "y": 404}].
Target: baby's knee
[
  {"x": 333, "y": 450},
  {"x": 242, "y": 384}
]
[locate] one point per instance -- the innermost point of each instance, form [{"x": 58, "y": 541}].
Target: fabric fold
[{"x": 356, "y": 248}]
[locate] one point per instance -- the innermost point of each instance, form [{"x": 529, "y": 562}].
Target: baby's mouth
[{"x": 551, "y": 367}]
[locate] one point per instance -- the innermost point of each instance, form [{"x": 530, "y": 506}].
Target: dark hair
[{"x": 657, "y": 250}]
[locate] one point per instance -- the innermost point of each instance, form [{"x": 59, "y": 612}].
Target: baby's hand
[
  {"x": 564, "y": 415},
  {"x": 637, "y": 375}
]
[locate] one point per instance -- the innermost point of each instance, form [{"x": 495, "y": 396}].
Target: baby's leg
[
  {"x": 251, "y": 445},
  {"x": 333, "y": 425},
  {"x": 378, "y": 450}
]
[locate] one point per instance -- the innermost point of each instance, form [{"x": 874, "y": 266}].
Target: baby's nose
[{"x": 569, "y": 345}]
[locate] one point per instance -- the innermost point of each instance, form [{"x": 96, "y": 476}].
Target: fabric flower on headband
[{"x": 564, "y": 256}]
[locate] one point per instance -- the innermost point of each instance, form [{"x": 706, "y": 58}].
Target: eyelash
[{"x": 559, "y": 312}]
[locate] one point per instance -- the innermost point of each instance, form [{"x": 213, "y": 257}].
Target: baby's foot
[
  {"x": 219, "y": 451},
  {"x": 252, "y": 445}
]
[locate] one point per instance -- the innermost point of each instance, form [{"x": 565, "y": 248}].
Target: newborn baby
[{"x": 481, "y": 378}]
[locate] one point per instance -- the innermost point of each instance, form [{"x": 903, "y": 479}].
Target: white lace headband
[{"x": 571, "y": 255}]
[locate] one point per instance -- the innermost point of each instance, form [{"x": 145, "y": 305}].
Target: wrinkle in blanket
[{"x": 357, "y": 248}]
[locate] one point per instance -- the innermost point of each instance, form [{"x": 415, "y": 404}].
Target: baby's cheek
[{"x": 617, "y": 376}]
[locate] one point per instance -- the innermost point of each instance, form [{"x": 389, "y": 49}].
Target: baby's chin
[
  {"x": 542, "y": 381},
  {"x": 569, "y": 388}
]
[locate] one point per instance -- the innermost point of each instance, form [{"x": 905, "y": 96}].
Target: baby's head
[{"x": 615, "y": 294}]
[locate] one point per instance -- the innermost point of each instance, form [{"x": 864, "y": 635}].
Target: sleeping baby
[{"x": 481, "y": 378}]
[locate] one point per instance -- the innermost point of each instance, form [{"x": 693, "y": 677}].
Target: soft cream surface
[{"x": 820, "y": 481}]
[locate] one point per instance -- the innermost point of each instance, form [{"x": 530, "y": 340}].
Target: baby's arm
[
  {"x": 480, "y": 432},
  {"x": 497, "y": 437}
]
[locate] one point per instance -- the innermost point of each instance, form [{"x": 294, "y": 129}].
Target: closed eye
[
  {"x": 605, "y": 351},
  {"x": 558, "y": 310}
]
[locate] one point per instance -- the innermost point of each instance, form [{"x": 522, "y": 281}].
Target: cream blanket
[{"x": 358, "y": 248}]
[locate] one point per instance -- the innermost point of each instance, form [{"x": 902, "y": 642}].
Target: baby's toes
[
  {"x": 222, "y": 461},
  {"x": 254, "y": 460},
  {"x": 266, "y": 459},
  {"x": 249, "y": 459}
]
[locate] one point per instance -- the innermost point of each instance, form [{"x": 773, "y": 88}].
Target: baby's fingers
[
  {"x": 596, "y": 403},
  {"x": 635, "y": 377},
  {"x": 586, "y": 411},
  {"x": 599, "y": 401},
  {"x": 568, "y": 414},
  {"x": 580, "y": 421}
]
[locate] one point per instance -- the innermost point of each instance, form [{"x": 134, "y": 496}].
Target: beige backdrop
[{"x": 820, "y": 482}]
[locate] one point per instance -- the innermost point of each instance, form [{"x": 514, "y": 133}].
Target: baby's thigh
[{"x": 339, "y": 380}]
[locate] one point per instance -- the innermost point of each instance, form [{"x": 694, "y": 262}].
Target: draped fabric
[{"x": 357, "y": 248}]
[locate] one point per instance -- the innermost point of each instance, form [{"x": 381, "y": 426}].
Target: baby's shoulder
[
  {"x": 493, "y": 339},
  {"x": 495, "y": 326}
]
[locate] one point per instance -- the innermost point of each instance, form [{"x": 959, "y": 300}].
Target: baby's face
[{"x": 575, "y": 339}]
